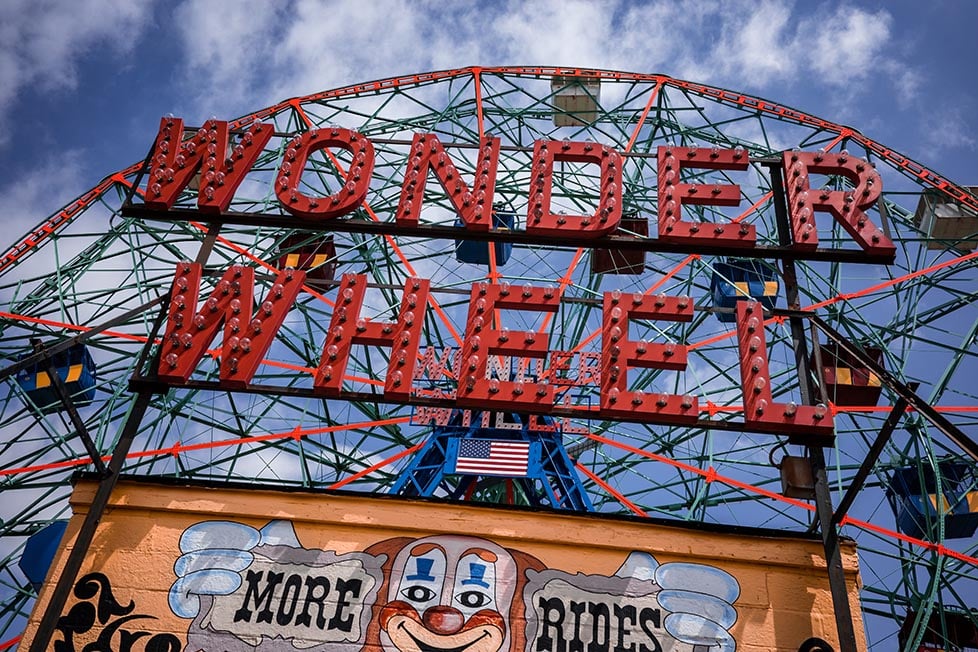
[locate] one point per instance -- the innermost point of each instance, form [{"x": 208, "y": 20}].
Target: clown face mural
[
  {"x": 452, "y": 594},
  {"x": 251, "y": 590}
]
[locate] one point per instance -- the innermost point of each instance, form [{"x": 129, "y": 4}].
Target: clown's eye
[
  {"x": 418, "y": 593},
  {"x": 473, "y": 599}
]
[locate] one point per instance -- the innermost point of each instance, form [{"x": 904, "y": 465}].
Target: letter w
[
  {"x": 175, "y": 161},
  {"x": 246, "y": 338}
]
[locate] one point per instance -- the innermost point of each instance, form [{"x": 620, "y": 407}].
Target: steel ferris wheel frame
[{"x": 107, "y": 274}]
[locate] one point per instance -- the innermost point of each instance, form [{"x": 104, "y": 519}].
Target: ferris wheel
[{"x": 890, "y": 349}]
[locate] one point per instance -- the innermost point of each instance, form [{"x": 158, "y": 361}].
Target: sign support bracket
[{"x": 823, "y": 496}]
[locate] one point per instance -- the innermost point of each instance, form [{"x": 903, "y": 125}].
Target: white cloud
[
  {"x": 339, "y": 43},
  {"x": 946, "y": 128},
  {"x": 225, "y": 45},
  {"x": 762, "y": 45},
  {"x": 242, "y": 55},
  {"x": 907, "y": 82},
  {"x": 573, "y": 33},
  {"x": 846, "y": 45},
  {"x": 26, "y": 198},
  {"x": 255, "y": 56},
  {"x": 41, "y": 42},
  {"x": 756, "y": 46},
  {"x": 323, "y": 45}
]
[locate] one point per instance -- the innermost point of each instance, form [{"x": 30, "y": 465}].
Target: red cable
[
  {"x": 176, "y": 449},
  {"x": 10, "y": 643},
  {"x": 712, "y": 476}
]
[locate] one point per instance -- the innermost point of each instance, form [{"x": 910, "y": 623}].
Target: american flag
[{"x": 492, "y": 457}]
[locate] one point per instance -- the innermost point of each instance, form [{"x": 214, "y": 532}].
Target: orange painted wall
[{"x": 782, "y": 594}]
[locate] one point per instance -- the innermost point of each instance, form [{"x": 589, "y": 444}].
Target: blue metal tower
[{"x": 497, "y": 457}]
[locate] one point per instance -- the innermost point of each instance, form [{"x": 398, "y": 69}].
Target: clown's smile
[
  {"x": 409, "y": 635},
  {"x": 424, "y": 646}
]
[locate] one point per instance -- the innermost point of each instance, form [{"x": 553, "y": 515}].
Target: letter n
[{"x": 474, "y": 206}]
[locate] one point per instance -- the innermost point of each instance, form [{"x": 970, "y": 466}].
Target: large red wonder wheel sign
[{"x": 188, "y": 339}]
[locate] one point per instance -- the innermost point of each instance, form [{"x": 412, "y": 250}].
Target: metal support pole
[
  {"x": 63, "y": 587},
  {"x": 823, "y": 496},
  {"x": 833, "y": 556},
  {"x": 446, "y": 232}
]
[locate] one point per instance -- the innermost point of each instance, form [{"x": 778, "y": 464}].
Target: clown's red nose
[{"x": 443, "y": 620}]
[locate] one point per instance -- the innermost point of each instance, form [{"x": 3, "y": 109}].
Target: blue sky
[{"x": 84, "y": 82}]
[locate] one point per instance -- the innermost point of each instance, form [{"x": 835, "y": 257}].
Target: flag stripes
[{"x": 492, "y": 457}]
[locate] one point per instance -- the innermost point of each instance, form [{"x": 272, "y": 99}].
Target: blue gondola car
[
  {"x": 735, "y": 280},
  {"x": 477, "y": 252},
  {"x": 917, "y": 503},
  {"x": 39, "y": 552},
  {"x": 76, "y": 369}
]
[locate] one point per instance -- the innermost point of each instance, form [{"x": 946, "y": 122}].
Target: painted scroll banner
[
  {"x": 586, "y": 612},
  {"x": 292, "y": 598}
]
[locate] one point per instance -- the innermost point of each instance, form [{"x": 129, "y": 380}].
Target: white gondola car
[
  {"x": 576, "y": 100},
  {"x": 946, "y": 222}
]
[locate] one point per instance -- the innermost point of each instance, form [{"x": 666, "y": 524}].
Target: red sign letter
[
  {"x": 354, "y": 189},
  {"x": 473, "y": 206},
  {"x": 846, "y": 206},
  {"x": 673, "y": 194},
  {"x": 482, "y": 341},
  {"x": 760, "y": 411},
  {"x": 541, "y": 221},
  {"x": 174, "y": 163},
  {"x": 347, "y": 328},
  {"x": 245, "y": 342},
  {"x": 618, "y": 354}
]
